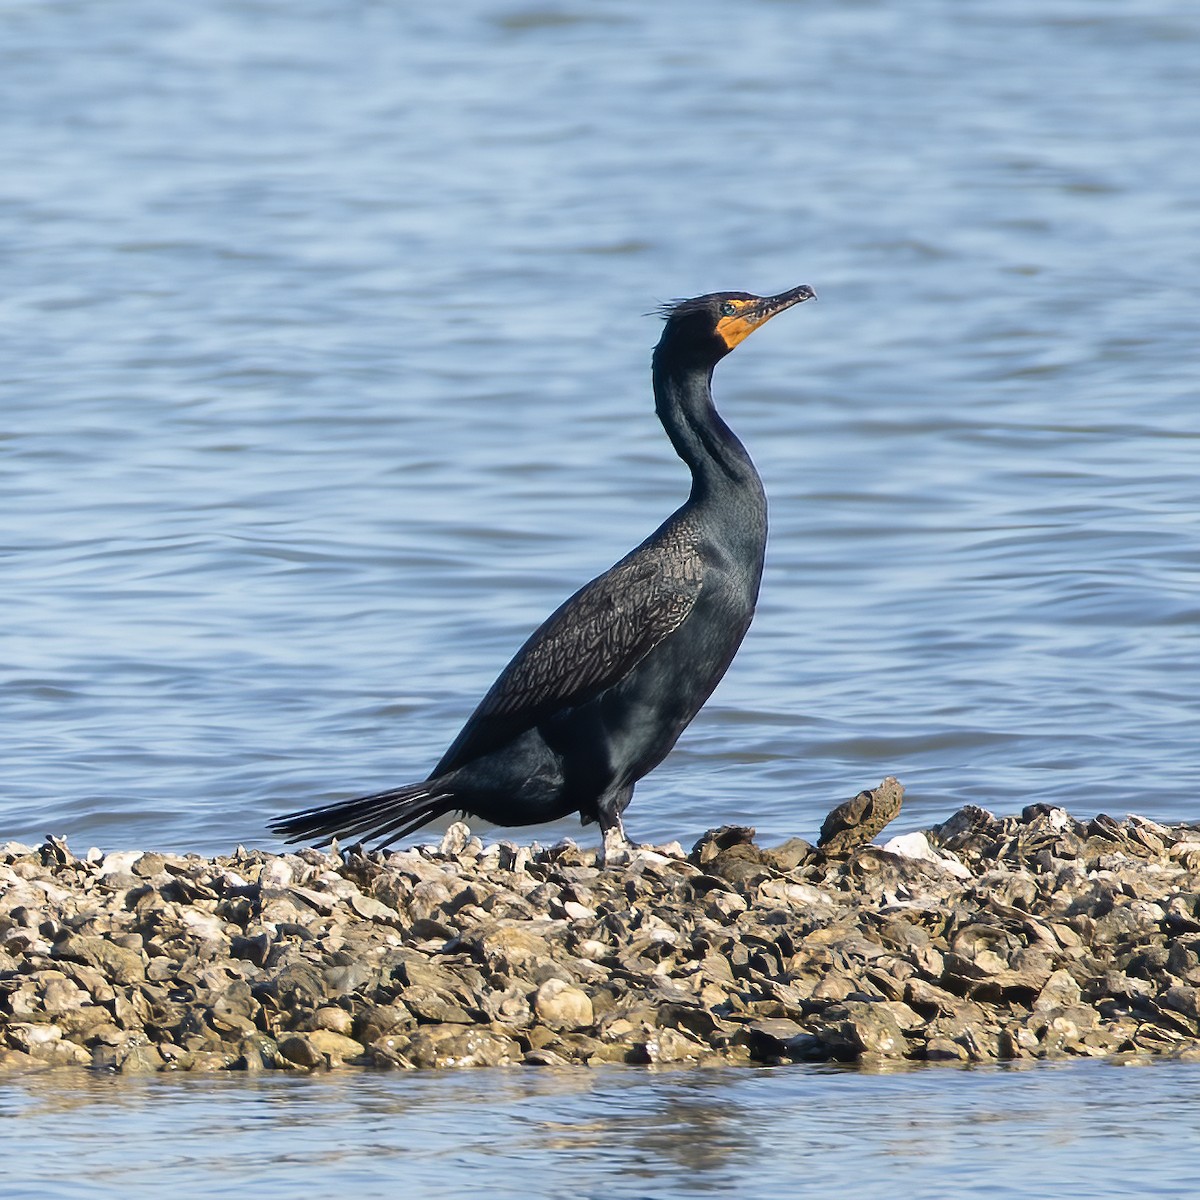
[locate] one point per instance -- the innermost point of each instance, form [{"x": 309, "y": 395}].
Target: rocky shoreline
[{"x": 1029, "y": 937}]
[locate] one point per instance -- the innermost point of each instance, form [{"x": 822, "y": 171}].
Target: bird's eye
[{"x": 727, "y": 309}]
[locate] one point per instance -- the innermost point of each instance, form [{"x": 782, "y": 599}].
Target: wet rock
[
  {"x": 666, "y": 1046},
  {"x": 338, "y": 1020},
  {"x": 434, "y": 1007},
  {"x": 300, "y": 1050},
  {"x": 335, "y": 1047},
  {"x": 448, "y": 1047},
  {"x": 857, "y": 1029},
  {"x": 1061, "y": 990},
  {"x": 455, "y": 840},
  {"x": 544, "y": 1058},
  {"x": 916, "y": 846},
  {"x": 775, "y": 1039},
  {"x": 789, "y": 855},
  {"x": 118, "y": 964},
  {"x": 943, "y": 1049},
  {"x": 1182, "y": 999},
  {"x": 722, "y": 906},
  {"x": 562, "y": 1006},
  {"x": 510, "y": 946},
  {"x": 984, "y": 938},
  {"x": 861, "y": 818},
  {"x": 131, "y": 1056}
]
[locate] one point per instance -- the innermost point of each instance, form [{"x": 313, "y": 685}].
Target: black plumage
[{"x": 602, "y": 689}]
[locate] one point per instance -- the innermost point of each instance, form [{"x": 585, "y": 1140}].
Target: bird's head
[{"x": 703, "y": 330}]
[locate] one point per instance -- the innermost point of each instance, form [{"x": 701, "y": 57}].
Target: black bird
[{"x": 600, "y": 692}]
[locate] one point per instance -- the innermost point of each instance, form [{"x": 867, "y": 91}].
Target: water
[
  {"x": 628, "y": 1135},
  {"x": 324, "y": 377}
]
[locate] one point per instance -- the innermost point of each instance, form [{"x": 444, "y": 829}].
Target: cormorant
[{"x": 602, "y": 689}]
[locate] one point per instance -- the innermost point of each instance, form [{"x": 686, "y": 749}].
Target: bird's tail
[{"x": 388, "y": 815}]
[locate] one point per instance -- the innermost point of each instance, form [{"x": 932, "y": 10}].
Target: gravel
[{"x": 1038, "y": 936}]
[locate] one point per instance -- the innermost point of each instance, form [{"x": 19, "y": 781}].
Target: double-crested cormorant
[{"x": 600, "y": 692}]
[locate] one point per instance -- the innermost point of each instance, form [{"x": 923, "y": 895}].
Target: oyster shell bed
[{"x": 1028, "y": 937}]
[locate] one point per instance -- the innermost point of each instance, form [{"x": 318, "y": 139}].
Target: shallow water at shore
[{"x": 629, "y": 1134}]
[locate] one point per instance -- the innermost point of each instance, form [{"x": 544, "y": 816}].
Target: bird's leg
[{"x": 616, "y": 849}]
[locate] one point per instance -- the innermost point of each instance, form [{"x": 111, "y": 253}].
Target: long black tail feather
[{"x": 389, "y": 815}]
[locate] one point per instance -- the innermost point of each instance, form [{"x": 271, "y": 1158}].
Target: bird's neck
[{"x": 718, "y": 461}]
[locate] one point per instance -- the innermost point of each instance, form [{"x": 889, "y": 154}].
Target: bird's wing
[
  {"x": 588, "y": 644},
  {"x": 596, "y": 637}
]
